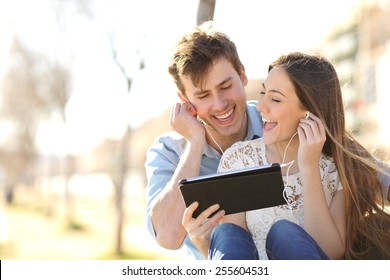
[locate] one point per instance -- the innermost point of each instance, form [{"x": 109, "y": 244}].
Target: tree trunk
[
  {"x": 120, "y": 181},
  {"x": 205, "y": 11}
]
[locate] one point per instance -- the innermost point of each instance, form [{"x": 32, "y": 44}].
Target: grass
[
  {"x": 34, "y": 235},
  {"x": 135, "y": 254}
]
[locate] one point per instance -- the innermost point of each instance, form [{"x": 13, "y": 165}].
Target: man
[{"x": 213, "y": 115}]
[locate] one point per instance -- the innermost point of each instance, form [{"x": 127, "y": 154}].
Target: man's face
[{"x": 221, "y": 100}]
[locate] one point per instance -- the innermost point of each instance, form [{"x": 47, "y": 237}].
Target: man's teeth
[{"x": 224, "y": 116}]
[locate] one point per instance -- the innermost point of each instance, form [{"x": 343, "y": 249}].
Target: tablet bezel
[{"x": 237, "y": 190}]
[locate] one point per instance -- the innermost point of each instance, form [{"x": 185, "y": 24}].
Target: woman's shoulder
[
  {"x": 240, "y": 155},
  {"x": 242, "y": 146}
]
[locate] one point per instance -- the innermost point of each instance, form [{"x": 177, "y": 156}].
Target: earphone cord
[
  {"x": 289, "y": 164},
  {"x": 285, "y": 150},
  {"x": 212, "y": 138}
]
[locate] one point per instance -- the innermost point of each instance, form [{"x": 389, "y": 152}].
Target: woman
[{"x": 336, "y": 207}]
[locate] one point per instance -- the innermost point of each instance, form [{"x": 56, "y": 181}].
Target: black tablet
[{"x": 236, "y": 191}]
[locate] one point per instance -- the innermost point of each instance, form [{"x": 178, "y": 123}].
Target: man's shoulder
[
  {"x": 170, "y": 136},
  {"x": 170, "y": 140},
  {"x": 255, "y": 122},
  {"x": 251, "y": 106},
  {"x": 168, "y": 146},
  {"x": 251, "y": 103}
]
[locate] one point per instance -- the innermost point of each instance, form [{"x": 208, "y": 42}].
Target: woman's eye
[{"x": 275, "y": 100}]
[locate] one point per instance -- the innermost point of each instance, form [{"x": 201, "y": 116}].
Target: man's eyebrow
[
  {"x": 225, "y": 81},
  {"x": 274, "y": 90},
  {"x": 220, "y": 84}
]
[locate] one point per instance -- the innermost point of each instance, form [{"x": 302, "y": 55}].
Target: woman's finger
[{"x": 313, "y": 128}]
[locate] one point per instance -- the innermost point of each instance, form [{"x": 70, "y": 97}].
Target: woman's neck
[
  {"x": 287, "y": 151},
  {"x": 284, "y": 153}
]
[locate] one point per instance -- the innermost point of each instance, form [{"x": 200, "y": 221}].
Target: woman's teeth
[{"x": 267, "y": 121}]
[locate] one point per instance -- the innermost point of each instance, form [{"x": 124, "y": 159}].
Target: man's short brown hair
[{"x": 196, "y": 52}]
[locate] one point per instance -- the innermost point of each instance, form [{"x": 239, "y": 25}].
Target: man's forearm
[{"x": 167, "y": 211}]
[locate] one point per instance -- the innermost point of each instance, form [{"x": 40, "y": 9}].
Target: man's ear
[
  {"x": 191, "y": 109},
  {"x": 244, "y": 78},
  {"x": 182, "y": 97}
]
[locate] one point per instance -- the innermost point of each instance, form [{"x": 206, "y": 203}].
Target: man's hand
[
  {"x": 200, "y": 229},
  {"x": 183, "y": 120}
]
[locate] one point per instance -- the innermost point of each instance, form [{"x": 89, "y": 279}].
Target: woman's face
[{"x": 280, "y": 107}]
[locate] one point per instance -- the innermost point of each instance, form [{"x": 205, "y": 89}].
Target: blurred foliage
[{"x": 56, "y": 197}]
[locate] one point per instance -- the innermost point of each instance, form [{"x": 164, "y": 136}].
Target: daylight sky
[{"x": 100, "y": 106}]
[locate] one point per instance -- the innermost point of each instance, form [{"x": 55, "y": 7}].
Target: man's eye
[
  {"x": 226, "y": 87},
  {"x": 261, "y": 92}
]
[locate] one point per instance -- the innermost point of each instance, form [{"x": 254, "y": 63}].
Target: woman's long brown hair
[{"x": 366, "y": 207}]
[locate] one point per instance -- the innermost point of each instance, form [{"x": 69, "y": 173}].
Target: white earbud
[{"x": 307, "y": 115}]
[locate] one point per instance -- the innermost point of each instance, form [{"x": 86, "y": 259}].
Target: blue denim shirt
[{"x": 163, "y": 157}]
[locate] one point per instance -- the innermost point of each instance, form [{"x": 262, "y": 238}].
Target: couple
[{"x": 335, "y": 188}]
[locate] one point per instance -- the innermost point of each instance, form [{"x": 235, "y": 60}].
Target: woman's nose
[{"x": 261, "y": 105}]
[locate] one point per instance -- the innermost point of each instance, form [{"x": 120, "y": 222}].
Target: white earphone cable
[
  {"x": 212, "y": 138},
  {"x": 289, "y": 164}
]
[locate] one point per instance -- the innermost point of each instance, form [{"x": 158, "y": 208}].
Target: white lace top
[{"x": 252, "y": 153}]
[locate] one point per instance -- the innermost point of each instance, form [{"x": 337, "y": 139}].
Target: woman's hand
[
  {"x": 199, "y": 229},
  {"x": 312, "y": 136}
]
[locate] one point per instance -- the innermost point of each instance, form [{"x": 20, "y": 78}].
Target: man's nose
[{"x": 219, "y": 102}]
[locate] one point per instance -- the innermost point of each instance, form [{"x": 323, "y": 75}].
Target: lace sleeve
[{"x": 329, "y": 178}]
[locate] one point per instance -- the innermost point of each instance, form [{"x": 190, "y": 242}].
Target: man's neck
[{"x": 221, "y": 142}]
